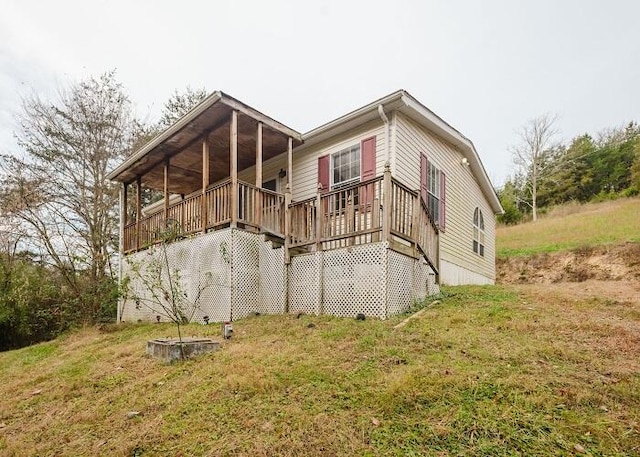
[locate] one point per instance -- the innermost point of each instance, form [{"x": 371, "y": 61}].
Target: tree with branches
[
  {"x": 57, "y": 189},
  {"x": 532, "y": 156}
]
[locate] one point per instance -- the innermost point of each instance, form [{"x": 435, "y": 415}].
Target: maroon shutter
[
  {"x": 424, "y": 174},
  {"x": 367, "y": 168},
  {"x": 323, "y": 173},
  {"x": 368, "y": 159},
  {"x": 443, "y": 200}
]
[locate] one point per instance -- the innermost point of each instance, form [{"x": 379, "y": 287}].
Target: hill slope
[
  {"x": 572, "y": 226},
  {"x": 488, "y": 371}
]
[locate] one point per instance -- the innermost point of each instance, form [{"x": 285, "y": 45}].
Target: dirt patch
[{"x": 605, "y": 263}]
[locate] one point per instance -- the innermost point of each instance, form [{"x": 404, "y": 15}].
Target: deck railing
[{"x": 356, "y": 214}]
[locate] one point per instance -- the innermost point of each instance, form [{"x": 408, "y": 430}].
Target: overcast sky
[{"x": 485, "y": 67}]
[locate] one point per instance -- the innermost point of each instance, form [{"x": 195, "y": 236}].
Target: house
[{"x": 363, "y": 214}]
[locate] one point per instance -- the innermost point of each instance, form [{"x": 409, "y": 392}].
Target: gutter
[{"x": 385, "y": 119}]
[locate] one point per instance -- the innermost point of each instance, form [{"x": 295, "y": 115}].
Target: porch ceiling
[{"x": 182, "y": 142}]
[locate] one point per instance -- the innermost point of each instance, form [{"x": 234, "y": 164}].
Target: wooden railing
[
  {"x": 261, "y": 208},
  {"x": 356, "y": 215},
  {"x": 381, "y": 209}
]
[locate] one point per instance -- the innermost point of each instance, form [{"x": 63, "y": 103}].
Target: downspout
[{"x": 387, "y": 135}]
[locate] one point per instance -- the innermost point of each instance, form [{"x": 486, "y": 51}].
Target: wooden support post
[
  {"x": 258, "y": 198},
  {"x": 123, "y": 218},
  {"x": 233, "y": 152},
  {"x": 386, "y": 203},
  {"x": 287, "y": 225},
  {"x": 138, "y": 210},
  {"x": 166, "y": 190},
  {"x": 319, "y": 219},
  {"x": 205, "y": 182},
  {"x": 350, "y": 216},
  {"x": 290, "y": 164},
  {"x": 416, "y": 227}
]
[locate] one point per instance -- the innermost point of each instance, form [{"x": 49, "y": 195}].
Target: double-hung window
[
  {"x": 478, "y": 232},
  {"x": 433, "y": 191},
  {"x": 345, "y": 166}
]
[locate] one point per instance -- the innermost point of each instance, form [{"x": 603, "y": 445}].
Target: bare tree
[
  {"x": 179, "y": 104},
  {"x": 58, "y": 190},
  {"x": 153, "y": 285},
  {"x": 531, "y": 154}
]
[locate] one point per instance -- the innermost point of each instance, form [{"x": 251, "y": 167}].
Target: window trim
[{"x": 433, "y": 182}]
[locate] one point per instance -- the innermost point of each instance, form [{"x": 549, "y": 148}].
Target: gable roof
[{"x": 404, "y": 102}]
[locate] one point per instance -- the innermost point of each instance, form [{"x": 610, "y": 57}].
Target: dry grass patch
[
  {"x": 488, "y": 371},
  {"x": 572, "y": 226}
]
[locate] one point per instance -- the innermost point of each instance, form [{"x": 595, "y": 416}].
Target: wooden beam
[
  {"x": 272, "y": 124},
  {"x": 386, "y": 203},
  {"x": 138, "y": 209},
  {"x": 123, "y": 218},
  {"x": 233, "y": 159},
  {"x": 290, "y": 164},
  {"x": 166, "y": 189},
  {"x": 259, "y": 156},
  {"x": 205, "y": 180}
]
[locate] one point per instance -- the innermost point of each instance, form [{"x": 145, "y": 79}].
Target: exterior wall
[
  {"x": 305, "y": 160},
  {"x": 463, "y": 195}
]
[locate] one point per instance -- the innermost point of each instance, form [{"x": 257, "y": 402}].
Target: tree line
[
  {"x": 58, "y": 212},
  {"x": 548, "y": 172}
]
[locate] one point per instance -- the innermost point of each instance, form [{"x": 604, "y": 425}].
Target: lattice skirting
[
  {"x": 223, "y": 275},
  {"x": 230, "y": 274}
]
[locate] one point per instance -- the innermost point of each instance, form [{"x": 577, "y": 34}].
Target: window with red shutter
[
  {"x": 433, "y": 190},
  {"x": 324, "y": 172}
]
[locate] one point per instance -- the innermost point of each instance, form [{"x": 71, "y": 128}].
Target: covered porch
[{"x": 195, "y": 165}]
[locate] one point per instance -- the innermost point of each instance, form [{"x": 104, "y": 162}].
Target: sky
[{"x": 485, "y": 67}]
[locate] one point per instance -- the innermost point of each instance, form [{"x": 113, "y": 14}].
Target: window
[
  {"x": 478, "y": 232},
  {"x": 433, "y": 191},
  {"x": 345, "y": 166}
]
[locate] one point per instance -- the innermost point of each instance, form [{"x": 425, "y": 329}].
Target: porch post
[
  {"x": 123, "y": 218},
  {"x": 138, "y": 210},
  {"x": 258, "y": 198},
  {"x": 166, "y": 190},
  {"x": 205, "y": 181},
  {"x": 386, "y": 203},
  {"x": 259, "y": 156},
  {"x": 233, "y": 151},
  {"x": 290, "y": 164},
  {"x": 287, "y": 225}
]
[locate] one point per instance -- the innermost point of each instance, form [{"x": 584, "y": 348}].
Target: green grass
[
  {"x": 572, "y": 226},
  {"x": 488, "y": 371}
]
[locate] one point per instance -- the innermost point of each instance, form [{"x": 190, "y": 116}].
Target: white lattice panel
[
  {"x": 399, "y": 282},
  {"x": 304, "y": 284},
  {"x": 244, "y": 273},
  {"x": 203, "y": 264},
  {"x": 271, "y": 279},
  {"x": 424, "y": 280},
  {"x": 354, "y": 281}
]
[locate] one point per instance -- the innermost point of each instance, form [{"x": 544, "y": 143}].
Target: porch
[{"x": 378, "y": 210}]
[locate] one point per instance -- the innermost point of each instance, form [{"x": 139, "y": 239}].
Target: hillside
[
  {"x": 573, "y": 243},
  {"x": 498, "y": 370},
  {"x": 573, "y": 226}
]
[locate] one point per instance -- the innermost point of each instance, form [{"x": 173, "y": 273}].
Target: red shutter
[
  {"x": 367, "y": 169},
  {"x": 424, "y": 177},
  {"x": 443, "y": 200},
  {"x": 323, "y": 172},
  {"x": 368, "y": 159}
]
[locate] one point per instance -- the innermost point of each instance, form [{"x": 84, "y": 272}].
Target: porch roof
[{"x": 182, "y": 142}]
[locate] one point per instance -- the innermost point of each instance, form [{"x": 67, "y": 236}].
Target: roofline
[
  {"x": 191, "y": 115},
  {"x": 405, "y": 102}
]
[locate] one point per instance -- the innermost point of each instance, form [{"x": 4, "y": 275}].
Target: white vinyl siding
[
  {"x": 305, "y": 159},
  {"x": 463, "y": 195}
]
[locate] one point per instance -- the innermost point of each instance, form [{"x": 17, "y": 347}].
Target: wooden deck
[{"x": 381, "y": 209}]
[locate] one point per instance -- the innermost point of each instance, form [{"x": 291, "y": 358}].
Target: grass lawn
[
  {"x": 487, "y": 371},
  {"x": 572, "y": 226}
]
